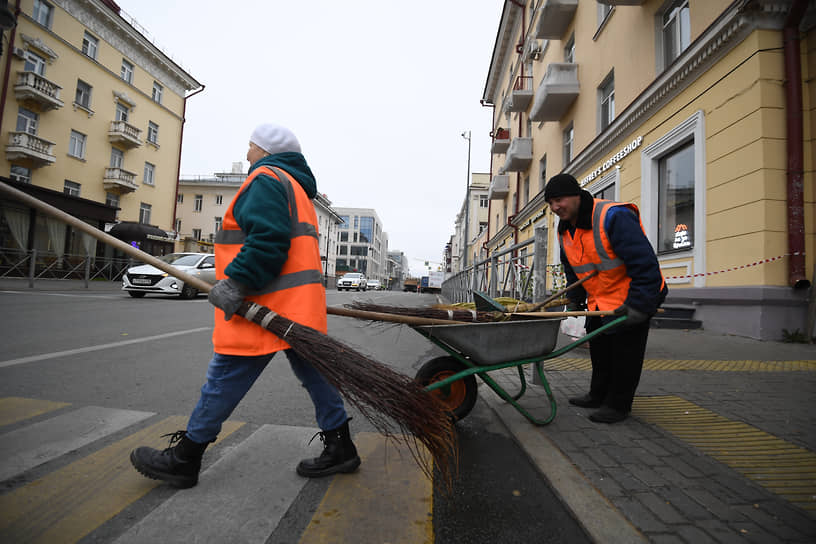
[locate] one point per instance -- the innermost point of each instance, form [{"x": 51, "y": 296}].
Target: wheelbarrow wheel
[{"x": 460, "y": 396}]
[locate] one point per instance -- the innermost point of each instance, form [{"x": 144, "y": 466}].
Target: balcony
[
  {"x": 519, "y": 156},
  {"x": 521, "y": 95},
  {"x": 501, "y": 141},
  {"x": 556, "y": 93},
  {"x": 499, "y": 187},
  {"x": 23, "y": 145},
  {"x": 622, "y": 2},
  {"x": 33, "y": 87},
  {"x": 119, "y": 181},
  {"x": 554, "y": 18},
  {"x": 124, "y": 134}
]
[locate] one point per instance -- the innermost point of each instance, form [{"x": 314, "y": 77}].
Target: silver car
[{"x": 143, "y": 279}]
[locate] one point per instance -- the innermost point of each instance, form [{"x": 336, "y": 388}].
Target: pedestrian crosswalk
[{"x": 241, "y": 497}]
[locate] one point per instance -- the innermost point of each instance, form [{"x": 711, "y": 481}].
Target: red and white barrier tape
[{"x": 755, "y": 263}]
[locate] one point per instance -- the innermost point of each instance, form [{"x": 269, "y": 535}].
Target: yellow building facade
[
  {"x": 687, "y": 108},
  {"x": 92, "y": 117}
]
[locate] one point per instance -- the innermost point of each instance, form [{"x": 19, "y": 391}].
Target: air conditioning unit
[
  {"x": 19, "y": 52},
  {"x": 533, "y": 49}
]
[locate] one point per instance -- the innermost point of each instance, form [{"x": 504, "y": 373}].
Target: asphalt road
[{"x": 103, "y": 348}]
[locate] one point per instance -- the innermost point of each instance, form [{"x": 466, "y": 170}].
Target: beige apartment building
[
  {"x": 474, "y": 214},
  {"x": 92, "y": 115},
  {"x": 698, "y": 111}
]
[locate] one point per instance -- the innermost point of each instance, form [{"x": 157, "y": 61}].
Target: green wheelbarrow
[{"x": 475, "y": 349}]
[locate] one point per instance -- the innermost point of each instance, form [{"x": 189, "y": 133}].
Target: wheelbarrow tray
[{"x": 493, "y": 343}]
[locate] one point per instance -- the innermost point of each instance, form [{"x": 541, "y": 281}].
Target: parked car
[
  {"x": 143, "y": 279},
  {"x": 352, "y": 280},
  {"x": 374, "y": 285}
]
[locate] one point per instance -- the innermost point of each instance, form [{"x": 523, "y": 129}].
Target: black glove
[
  {"x": 633, "y": 316},
  {"x": 573, "y": 306},
  {"x": 228, "y": 295}
]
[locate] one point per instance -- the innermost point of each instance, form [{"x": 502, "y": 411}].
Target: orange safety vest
[
  {"x": 590, "y": 250},
  {"x": 297, "y": 293}
]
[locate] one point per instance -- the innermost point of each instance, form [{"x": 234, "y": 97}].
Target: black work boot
[
  {"x": 178, "y": 465},
  {"x": 339, "y": 454}
]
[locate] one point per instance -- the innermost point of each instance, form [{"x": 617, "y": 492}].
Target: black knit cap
[{"x": 561, "y": 185}]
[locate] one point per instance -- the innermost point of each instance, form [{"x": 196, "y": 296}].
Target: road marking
[
  {"x": 14, "y": 409},
  {"x": 56, "y": 354},
  {"x": 241, "y": 498},
  {"x": 41, "y": 293},
  {"x": 566, "y": 363},
  {"x": 389, "y": 499},
  {"x": 25, "y": 448},
  {"x": 71, "y": 502}
]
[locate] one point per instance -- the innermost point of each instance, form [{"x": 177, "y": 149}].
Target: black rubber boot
[
  {"x": 339, "y": 454},
  {"x": 178, "y": 465}
]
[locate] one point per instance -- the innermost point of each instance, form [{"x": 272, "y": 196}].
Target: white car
[
  {"x": 374, "y": 285},
  {"x": 352, "y": 280},
  {"x": 143, "y": 279}
]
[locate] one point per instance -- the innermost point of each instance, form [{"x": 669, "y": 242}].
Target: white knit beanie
[{"x": 274, "y": 139}]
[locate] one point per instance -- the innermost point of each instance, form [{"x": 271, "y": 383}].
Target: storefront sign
[
  {"x": 614, "y": 159},
  {"x": 533, "y": 219}
]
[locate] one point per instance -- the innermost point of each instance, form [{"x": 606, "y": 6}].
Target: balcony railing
[
  {"x": 499, "y": 187},
  {"x": 119, "y": 181},
  {"x": 522, "y": 94},
  {"x": 34, "y": 87},
  {"x": 520, "y": 155},
  {"x": 558, "y": 90},
  {"x": 23, "y": 145},
  {"x": 501, "y": 141},
  {"x": 554, "y": 18},
  {"x": 124, "y": 134}
]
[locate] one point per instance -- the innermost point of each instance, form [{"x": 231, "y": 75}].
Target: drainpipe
[
  {"x": 9, "y": 54},
  {"x": 795, "y": 184},
  {"x": 181, "y": 141}
]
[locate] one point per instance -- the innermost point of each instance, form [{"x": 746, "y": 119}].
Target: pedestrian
[
  {"x": 607, "y": 239},
  {"x": 266, "y": 252}
]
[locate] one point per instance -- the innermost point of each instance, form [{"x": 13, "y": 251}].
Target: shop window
[
  {"x": 675, "y": 200},
  {"x": 71, "y": 188},
  {"x": 20, "y": 174}
]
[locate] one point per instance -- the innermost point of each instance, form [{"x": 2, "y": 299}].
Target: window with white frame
[
  {"x": 569, "y": 50},
  {"x": 122, "y": 112},
  {"x": 483, "y": 201},
  {"x": 219, "y": 199},
  {"x": 178, "y": 225},
  {"x": 542, "y": 173},
  {"x": 196, "y": 234},
  {"x": 112, "y": 200},
  {"x": 157, "y": 92},
  {"x": 149, "y": 174},
  {"x": 153, "y": 133},
  {"x": 117, "y": 158},
  {"x": 525, "y": 191},
  {"x": 83, "y": 95},
  {"x": 20, "y": 174},
  {"x": 43, "y": 13},
  {"x": 144, "y": 213},
  {"x": 180, "y": 198},
  {"x": 675, "y": 30},
  {"x": 76, "y": 144},
  {"x": 567, "y": 146},
  {"x": 606, "y": 98},
  {"x": 218, "y": 222},
  {"x": 199, "y": 203},
  {"x": 90, "y": 45},
  {"x": 27, "y": 121},
  {"x": 34, "y": 63},
  {"x": 675, "y": 200},
  {"x": 71, "y": 188},
  {"x": 126, "y": 71}
]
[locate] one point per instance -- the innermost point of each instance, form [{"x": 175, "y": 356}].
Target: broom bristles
[
  {"x": 397, "y": 406},
  {"x": 452, "y": 314}
]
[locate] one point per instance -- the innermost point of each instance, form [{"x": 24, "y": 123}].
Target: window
[
  {"x": 482, "y": 226},
  {"x": 675, "y": 200},
  {"x": 603, "y": 12},
  {"x": 122, "y": 112},
  {"x": 43, "y": 13},
  {"x": 117, "y": 159},
  {"x": 676, "y": 30},
  {"x": 20, "y": 173},
  {"x": 219, "y": 199},
  {"x": 153, "y": 133},
  {"x": 34, "y": 63},
  {"x": 70, "y": 188},
  {"x": 606, "y": 95},
  {"x": 483, "y": 201},
  {"x": 112, "y": 200},
  {"x": 126, "y": 72},
  {"x": 218, "y": 222},
  {"x": 569, "y": 50},
  {"x": 196, "y": 234},
  {"x": 178, "y": 225},
  {"x": 76, "y": 145},
  {"x": 144, "y": 213},
  {"x": 149, "y": 173},
  {"x": 542, "y": 173},
  {"x": 83, "y": 95},
  {"x": 27, "y": 121},
  {"x": 157, "y": 92},
  {"x": 525, "y": 191},
  {"x": 90, "y": 45},
  {"x": 344, "y": 236},
  {"x": 568, "y": 138},
  {"x": 199, "y": 203},
  {"x": 180, "y": 198}
]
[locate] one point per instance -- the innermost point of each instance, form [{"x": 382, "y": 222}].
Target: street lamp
[{"x": 466, "y": 136}]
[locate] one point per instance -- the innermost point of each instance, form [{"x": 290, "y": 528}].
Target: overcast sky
[{"x": 378, "y": 93}]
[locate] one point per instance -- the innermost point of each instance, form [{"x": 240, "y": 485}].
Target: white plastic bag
[{"x": 574, "y": 327}]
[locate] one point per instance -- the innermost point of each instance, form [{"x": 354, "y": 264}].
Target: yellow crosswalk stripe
[
  {"x": 71, "y": 502},
  {"x": 389, "y": 499},
  {"x": 14, "y": 409}
]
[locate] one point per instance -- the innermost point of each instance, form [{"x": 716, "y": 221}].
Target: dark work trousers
[{"x": 617, "y": 361}]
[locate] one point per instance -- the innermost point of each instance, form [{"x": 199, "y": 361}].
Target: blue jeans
[{"x": 229, "y": 377}]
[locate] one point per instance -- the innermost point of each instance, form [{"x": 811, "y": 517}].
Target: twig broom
[{"x": 395, "y": 404}]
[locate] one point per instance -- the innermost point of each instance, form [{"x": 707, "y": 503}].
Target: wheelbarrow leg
[{"x": 499, "y": 390}]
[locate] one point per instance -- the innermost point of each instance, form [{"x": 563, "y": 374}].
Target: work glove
[
  {"x": 576, "y": 306},
  {"x": 228, "y": 295},
  {"x": 633, "y": 316}
]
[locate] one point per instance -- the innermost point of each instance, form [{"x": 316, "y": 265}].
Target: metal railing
[{"x": 38, "y": 264}]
